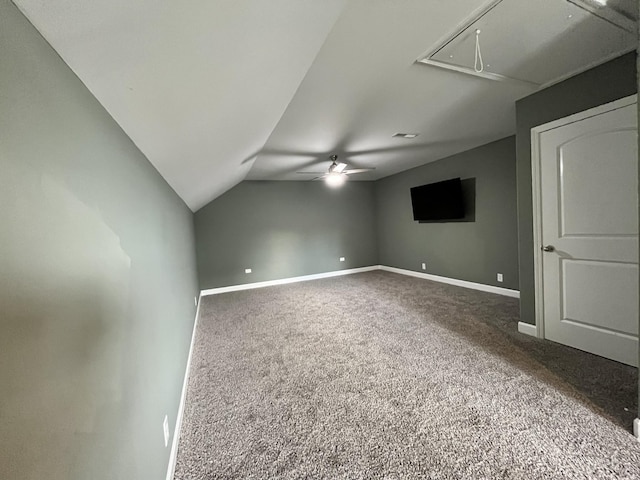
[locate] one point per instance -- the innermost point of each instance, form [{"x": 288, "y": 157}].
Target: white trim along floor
[{"x": 427, "y": 276}]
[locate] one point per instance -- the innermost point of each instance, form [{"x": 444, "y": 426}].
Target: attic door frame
[
  {"x": 607, "y": 15},
  {"x": 426, "y": 59}
]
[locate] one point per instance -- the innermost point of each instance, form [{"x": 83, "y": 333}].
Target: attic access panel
[{"x": 539, "y": 42}]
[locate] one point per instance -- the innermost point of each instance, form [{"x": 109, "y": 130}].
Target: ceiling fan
[{"x": 336, "y": 174}]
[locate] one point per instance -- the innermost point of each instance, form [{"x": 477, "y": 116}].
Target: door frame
[{"x": 536, "y": 160}]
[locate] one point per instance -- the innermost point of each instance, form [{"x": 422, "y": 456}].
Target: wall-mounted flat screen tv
[{"x": 438, "y": 201}]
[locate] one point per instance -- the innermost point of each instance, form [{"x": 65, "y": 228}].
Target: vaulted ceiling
[{"x": 217, "y": 91}]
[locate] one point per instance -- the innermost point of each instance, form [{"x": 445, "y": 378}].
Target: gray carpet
[{"x": 378, "y": 375}]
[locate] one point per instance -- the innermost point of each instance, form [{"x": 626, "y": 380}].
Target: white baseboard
[
  {"x": 636, "y": 428},
  {"x": 173, "y": 456},
  {"x": 427, "y": 276},
  {"x": 282, "y": 281},
  {"x": 528, "y": 329},
  {"x": 454, "y": 281}
]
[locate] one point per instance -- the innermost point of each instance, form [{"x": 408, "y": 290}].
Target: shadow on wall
[{"x": 58, "y": 344}]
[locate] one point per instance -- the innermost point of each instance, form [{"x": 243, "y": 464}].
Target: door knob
[{"x": 548, "y": 248}]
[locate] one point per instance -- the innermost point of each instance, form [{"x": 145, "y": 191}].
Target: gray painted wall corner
[
  {"x": 288, "y": 229},
  {"x": 474, "y": 250}
]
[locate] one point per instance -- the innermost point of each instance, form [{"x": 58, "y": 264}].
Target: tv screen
[{"x": 438, "y": 201}]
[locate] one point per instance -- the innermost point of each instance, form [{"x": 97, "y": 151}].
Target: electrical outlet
[
  {"x": 195, "y": 301},
  {"x": 499, "y": 277},
  {"x": 342, "y": 259},
  {"x": 165, "y": 429},
  {"x": 247, "y": 270},
  {"x": 424, "y": 266}
]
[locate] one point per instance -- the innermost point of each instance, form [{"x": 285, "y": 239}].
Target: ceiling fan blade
[
  {"x": 358, "y": 170},
  {"x": 319, "y": 178},
  {"x": 339, "y": 167},
  {"x": 312, "y": 173}
]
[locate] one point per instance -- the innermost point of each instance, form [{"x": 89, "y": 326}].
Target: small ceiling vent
[{"x": 538, "y": 42}]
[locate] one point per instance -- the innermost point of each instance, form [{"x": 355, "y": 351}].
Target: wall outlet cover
[
  {"x": 247, "y": 270},
  {"x": 424, "y": 266},
  {"x": 342, "y": 259},
  {"x": 500, "y": 278}
]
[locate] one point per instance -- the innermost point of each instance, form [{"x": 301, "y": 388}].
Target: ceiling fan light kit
[
  {"x": 335, "y": 179},
  {"x": 337, "y": 174}
]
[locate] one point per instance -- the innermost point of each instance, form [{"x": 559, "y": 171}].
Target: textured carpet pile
[{"x": 378, "y": 375}]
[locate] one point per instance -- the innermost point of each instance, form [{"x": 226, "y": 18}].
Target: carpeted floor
[{"x": 378, "y": 375}]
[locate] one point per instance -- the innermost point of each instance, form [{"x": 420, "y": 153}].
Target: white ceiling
[{"x": 217, "y": 91}]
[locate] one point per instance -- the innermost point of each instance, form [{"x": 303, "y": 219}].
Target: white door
[{"x": 588, "y": 214}]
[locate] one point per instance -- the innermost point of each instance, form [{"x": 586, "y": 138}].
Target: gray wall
[
  {"x": 475, "y": 251},
  {"x": 606, "y": 83},
  {"x": 98, "y": 280},
  {"x": 284, "y": 229}
]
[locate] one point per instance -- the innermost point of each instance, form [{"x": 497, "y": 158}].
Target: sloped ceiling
[
  {"x": 197, "y": 85},
  {"x": 216, "y": 91},
  {"x": 365, "y": 86}
]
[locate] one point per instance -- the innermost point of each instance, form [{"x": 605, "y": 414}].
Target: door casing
[{"x": 536, "y": 160}]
